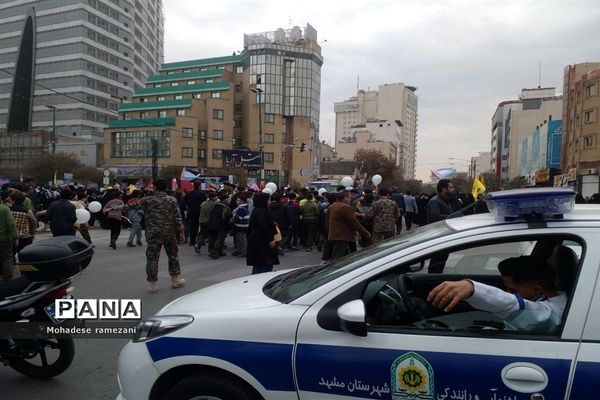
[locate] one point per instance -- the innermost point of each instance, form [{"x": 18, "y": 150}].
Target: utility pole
[
  {"x": 53, "y": 108},
  {"x": 259, "y": 92},
  {"x": 154, "y": 159}
]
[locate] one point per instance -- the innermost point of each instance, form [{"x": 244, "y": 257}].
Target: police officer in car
[{"x": 530, "y": 303}]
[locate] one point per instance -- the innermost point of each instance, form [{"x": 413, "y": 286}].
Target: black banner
[{"x": 242, "y": 158}]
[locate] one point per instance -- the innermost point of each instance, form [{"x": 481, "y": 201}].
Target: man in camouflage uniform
[
  {"x": 163, "y": 228},
  {"x": 384, "y": 213}
]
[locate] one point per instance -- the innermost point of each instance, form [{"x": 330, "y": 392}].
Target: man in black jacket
[
  {"x": 193, "y": 201},
  {"x": 442, "y": 205},
  {"x": 61, "y": 214}
]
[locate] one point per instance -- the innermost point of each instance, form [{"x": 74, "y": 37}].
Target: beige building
[
  {"x": 365, "y": 139},
  {"x": 581, "y": 119},
  {"x": 524, "y": 122},
  {"x": 264, "y": 100},
  {"x": 393, "y": 102}
]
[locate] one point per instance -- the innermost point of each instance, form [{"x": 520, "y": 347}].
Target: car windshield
[{"x": 296, "y": 283}]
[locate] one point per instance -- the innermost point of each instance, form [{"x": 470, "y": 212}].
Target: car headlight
[{"x": 151, "y": 328}]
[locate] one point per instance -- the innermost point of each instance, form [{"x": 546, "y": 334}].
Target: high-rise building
[
  {"x": 394, "y": 103},
  {"x": 95, "y": 52},
  {"x": 264, "y": 100},
  {"x": 514, "y": 120}
]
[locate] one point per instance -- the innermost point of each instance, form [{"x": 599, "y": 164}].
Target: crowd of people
[{"x": 264, "y": 225}]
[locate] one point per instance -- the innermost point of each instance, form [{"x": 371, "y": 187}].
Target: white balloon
[
  {"x": 267, "y": 190},
  {"x": 94, "y": 207},
  {"x": 349, "y": 188},
  {"x": 83, "y": 216},
  {"x": 272, "y": 186},
  {"x": 376, "y": 179},
  {"x": 347, "y": 181},
  {"x": 321, "y": 191}
]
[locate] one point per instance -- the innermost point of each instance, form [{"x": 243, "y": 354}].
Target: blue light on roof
[{"x": 549, "y": 202}]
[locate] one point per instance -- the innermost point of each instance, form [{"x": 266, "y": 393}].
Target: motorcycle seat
[{"x": 13, "y": 287}]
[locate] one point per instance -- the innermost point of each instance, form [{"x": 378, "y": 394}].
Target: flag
[
  {"x": 188, "y": 174},
  {"x": 174, "y": 184},
  {"x": 211, "y": 185},
  {"x": 478, "y": 188}
]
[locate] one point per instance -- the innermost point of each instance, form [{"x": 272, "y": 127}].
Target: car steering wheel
[{"x": 405, "y": 288}]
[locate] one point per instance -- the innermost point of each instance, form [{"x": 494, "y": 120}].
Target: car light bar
[{"x": 526, "y": 203}]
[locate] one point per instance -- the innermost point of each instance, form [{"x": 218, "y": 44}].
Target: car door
[{"x": 398, "y": 363}]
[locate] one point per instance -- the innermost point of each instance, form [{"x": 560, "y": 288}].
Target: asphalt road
[{"x": 120, "y": 273}]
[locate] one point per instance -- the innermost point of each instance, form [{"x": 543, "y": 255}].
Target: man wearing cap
[{"x": 193, "y": 201}]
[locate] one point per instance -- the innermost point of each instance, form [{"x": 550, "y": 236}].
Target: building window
[
  {"x": 162, "y": 114},
  {"x": 588, "y": 142},
  {"x": 591, "y": 90},
  {"x": 270, "y": 118},
  {"x": 126, "y": 116},
  {"x": 187, "y": 152},
  {"x": 191, "y": 82},
  {"x": 178, "y": 97},
  {"x": 215, "y": 95},
  {"x": 198, "y": 96},
  {"x": 134, "y": 144},
  {"x": 237, "y": 123},
  {"x": 237, "y": 142},
  {"x": 217, "y": 154},
  {"x": 209, "y": 81},
  {"x": 158, "y": 85},
  {"x": 269, "y": 157},
  {"x": 202, "y": 134},
  {"x": 201, "y": 154},
  {"x": 180, "y": 113},
  {"x": 269, "y": 138},
  {"x": 187, "y": 132},
  {"x": 217, "y": 134},
  {"x": 221, "y": 67},
  {"x": 239, "y": 69},
  {"x": 217, "y": 113},
  {"x": 238, "y": 88},
  {"x": 238, "y": 108},
  {"x": 143, "y": 114},
  {"x": 590, "y": 116},
  {"x": 203, "y": 69},
  {"x": 261, "y": 59},
  {"x": 161, "y": 98},
  {"x": 174, "y": 83}
]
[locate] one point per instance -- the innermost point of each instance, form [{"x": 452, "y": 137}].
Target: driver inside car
[{"x": 531, "y": 302}]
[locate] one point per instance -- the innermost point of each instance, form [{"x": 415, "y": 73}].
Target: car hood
[{"x": 237, "y": 294}]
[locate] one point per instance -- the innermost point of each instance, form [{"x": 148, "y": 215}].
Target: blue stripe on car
[{"x": 269, "y": 363}]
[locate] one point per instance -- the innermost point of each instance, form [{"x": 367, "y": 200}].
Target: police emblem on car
[{"x": 412, "y": 378}]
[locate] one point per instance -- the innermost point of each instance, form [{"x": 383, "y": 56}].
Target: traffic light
[{"x": 302, "y": 147}]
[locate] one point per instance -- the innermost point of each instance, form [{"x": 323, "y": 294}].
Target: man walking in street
[
  {"x": 241, "y": 220},
  {"x": 8, "y": 241},
  {"x": 384, "y": 213},
  {"x": 194, "y": 200},
  {"x": 163, "y": 227},
  {"x": 398, "y": 197},
  {"x": 218, "y": 226},
  {"x": 411, "y": 209},
  {"x": 205, "y": 210},
  {"x": 342, "y": 225},
  {"x": 442, "y": 205},
  {"x": 61, "y": 215}
]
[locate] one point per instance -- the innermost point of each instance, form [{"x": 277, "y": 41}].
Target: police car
[{"x": 361, "y": 327}]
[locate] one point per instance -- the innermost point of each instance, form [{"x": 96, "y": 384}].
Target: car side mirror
[{"x": 353, "y": 317}]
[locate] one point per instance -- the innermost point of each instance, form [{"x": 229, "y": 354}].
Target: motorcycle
[{"x": 27, "y": 306}]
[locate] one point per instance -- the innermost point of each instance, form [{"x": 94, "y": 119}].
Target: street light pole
[
  {"x": 259, "y": 92},
  {"x": 53, "y": 108}
]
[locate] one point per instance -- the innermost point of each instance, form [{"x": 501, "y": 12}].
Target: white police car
[{"x": 361, "y": 327}]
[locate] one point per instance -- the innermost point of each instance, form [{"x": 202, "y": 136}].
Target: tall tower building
[
  {"x": 393, "y": 102},
  {"x": 94, "y": 51}
]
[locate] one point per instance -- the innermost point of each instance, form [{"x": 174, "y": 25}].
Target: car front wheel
[{"x": 211, "y": 386}]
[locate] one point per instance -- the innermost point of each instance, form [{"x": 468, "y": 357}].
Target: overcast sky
[{"x": 463, "y": 56}]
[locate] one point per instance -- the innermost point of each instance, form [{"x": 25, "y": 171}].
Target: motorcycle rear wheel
[{"x": 66, "y": 348}]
